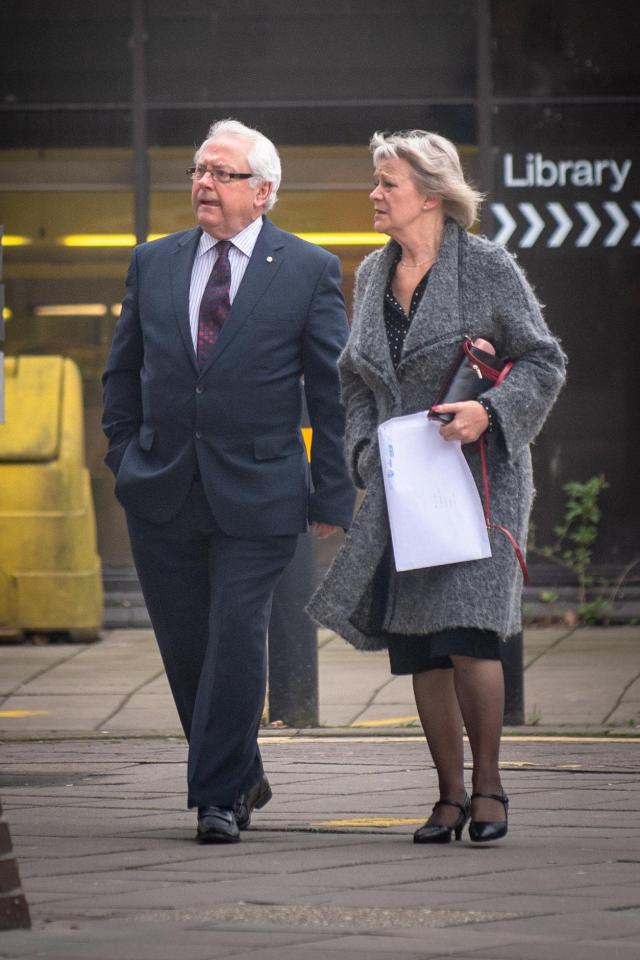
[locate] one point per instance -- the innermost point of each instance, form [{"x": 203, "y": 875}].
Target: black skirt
[{"x": 410, "y": 654}]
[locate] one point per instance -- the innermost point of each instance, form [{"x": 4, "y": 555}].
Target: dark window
[
  {"x": 67, "y": 51},
  {"x": 550, "y": 48},
  {"x": 302, "y": 49}
]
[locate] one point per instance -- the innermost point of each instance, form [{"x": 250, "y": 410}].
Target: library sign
[{"x": 552, "y": 213}]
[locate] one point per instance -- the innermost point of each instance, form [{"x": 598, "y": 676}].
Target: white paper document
[{"x": 435, "y": 513}]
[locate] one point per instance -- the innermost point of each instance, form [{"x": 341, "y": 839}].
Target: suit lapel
[
  {"x": 265, "y": 261},
  {"x": 181, "y": 266}
]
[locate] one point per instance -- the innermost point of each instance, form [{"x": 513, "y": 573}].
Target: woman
[{"x": 415, "y": 300}]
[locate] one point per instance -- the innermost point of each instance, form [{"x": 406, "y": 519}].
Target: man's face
[{"x": 224, "y": 209}]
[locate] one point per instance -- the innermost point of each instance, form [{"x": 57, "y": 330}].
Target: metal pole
[
  {"x": 512, "y": 661},
  {"x": 484, "y": 94},
  {"x": 139, "y": 122},
  {"x": 512, "y": 664},
  {"x": 293, "y": 645}
]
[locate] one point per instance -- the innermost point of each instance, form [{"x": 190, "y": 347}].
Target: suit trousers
[{"x": 209, "y": 599}]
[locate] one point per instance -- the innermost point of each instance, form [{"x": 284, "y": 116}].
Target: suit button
[
  {"x": 198, "y": 435},
  {"x": 199, "y": 389}
]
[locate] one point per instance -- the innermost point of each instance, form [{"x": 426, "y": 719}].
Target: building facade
[{"x": 101, "y": 105}]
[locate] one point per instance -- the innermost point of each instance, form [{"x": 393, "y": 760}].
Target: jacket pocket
[
  {"x": 271, "y": 448},
  {"x": 114, "y": 455},
  {"x": 146, "y": 436}
]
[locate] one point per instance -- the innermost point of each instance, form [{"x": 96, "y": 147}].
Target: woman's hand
[{"x": 469, "y": 422}]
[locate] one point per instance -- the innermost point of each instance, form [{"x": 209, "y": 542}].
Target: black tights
[{"x": 471, "y": 693}]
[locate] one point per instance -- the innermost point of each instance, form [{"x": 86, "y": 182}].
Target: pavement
[{"x": 92, "y": 785}]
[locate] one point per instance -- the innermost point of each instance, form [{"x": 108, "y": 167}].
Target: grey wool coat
[{"x": 476, "y": 289}]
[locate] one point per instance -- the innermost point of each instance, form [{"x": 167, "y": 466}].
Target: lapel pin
[{"x": 269, "y": 259}]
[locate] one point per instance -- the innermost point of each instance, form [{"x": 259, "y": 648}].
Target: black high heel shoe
[
  {"x": 439, "y": 833},
  {"x": 482, "y": 831}
]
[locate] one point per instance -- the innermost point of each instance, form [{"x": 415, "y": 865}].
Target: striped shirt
[{"x": 239, "y": 254}]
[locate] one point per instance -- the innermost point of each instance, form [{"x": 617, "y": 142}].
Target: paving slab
[
  {"x": 23, "y": 663},
  {"x": 560, "y": 688},
  {"x": 117, "y": 685},
  {"x": 81, "y": 712},
  {"x": 106, "y": 848},
  {"x": 109, "y": 864}
]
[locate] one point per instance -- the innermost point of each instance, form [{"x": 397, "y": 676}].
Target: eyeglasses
[{"x": 199, "y": 172}]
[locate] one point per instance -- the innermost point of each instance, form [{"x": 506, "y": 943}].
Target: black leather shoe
[
  {"x": 440, "y": 833},
  {"x": 255, "y": 798},
  {"x": 482, "y": 831},
  {"x": 217, "y": 825}
]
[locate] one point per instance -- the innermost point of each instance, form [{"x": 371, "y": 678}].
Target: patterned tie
[{"x": 215, "y": 304}]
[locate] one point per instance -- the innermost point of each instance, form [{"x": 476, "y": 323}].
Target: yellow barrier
[{"x": 50, "y": 576}]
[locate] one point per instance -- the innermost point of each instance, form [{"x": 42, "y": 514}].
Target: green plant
[
  {"x": 576, "y": 537},
  {"x": 548, "y": 596}
]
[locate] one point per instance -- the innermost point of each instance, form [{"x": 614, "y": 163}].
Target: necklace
[{"x": 414, "y": 266}]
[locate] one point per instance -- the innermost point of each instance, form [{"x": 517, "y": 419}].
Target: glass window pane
[
  {"x": 553, "y": 48},
  {"x": 67, "y": 51},
  {"x": 302, "y": 49}
]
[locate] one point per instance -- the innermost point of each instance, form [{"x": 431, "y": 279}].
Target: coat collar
[{"x": 437, "y": 316}]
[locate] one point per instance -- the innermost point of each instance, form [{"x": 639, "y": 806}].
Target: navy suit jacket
[{"x": 238, "y": 418}]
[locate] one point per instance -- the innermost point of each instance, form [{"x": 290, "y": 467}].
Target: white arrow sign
[
  {"x": 561, "y": 220},
  {"x": 536, "y": 224},
  {"x": 620, "y": 224},
  {"x": 564, "y": 222},
  {"x": 507, "y": 223},
  {"x": 636, "y": 207},
  {"x": 592, "y": 222}
]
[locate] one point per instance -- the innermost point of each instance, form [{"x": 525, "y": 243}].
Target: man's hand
[
  {"x": 322, "y": 530},
  {"x": 469, "y": 423}
]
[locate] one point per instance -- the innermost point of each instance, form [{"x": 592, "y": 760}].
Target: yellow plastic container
[{"x": 50, "y": 575}]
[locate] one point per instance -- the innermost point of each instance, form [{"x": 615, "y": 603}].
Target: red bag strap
[
  {"x": 482, "y": 443},
  {"x": 504, "y": 373},
  {"x": 487, "y": 371}
]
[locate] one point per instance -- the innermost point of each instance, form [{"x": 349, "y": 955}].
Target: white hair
[
  {"x": 436, "y": 169},
  {"x": 263, "y": 158}
]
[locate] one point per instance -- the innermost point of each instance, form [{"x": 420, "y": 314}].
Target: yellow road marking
[
  {"x": 20, "y": 714},
  {"x": 370, "y": 822},
  {"x": 388, "y": 722},
  {"x": 528, "y": 765},
  {"x": 516, "y": 738},
  {"x": 293, "y": 738}
]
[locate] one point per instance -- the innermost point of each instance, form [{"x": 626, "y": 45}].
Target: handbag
[{"x": 475, "y": 371}]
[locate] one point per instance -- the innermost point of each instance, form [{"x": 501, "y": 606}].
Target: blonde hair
[{"x": 436, "y": 169}]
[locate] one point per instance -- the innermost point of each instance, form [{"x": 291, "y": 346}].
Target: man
[{"x": 221, "y": 329}]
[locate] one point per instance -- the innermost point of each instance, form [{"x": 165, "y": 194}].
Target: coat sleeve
[
  {"x": 523, "y": 401},
  {"x": 333, "y": 497},
  {"x": 122, "y": 400},
  {"x": 359, "y": 402},
  {"x": 361, "y": 420}
]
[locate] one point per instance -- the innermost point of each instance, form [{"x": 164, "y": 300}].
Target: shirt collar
[{"x": 244, "y": 241}]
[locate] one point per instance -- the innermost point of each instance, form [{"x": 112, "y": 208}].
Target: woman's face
[{"x": 398, "y": 205}]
